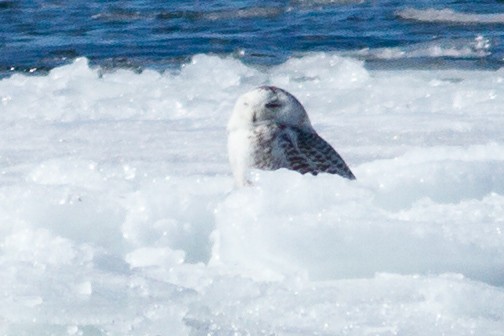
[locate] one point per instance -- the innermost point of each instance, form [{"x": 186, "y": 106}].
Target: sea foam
[{"x": 450, "y": 16}]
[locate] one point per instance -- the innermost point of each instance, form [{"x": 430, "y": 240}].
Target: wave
[
  {"x": 452, "y": 48},
  {"x": 326, "y": 2},
  {"x": 194, "y": 14},
  {"x": 450, "y": 16}
]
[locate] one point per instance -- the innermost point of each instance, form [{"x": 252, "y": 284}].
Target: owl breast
[{"x": 264, "y": 148}]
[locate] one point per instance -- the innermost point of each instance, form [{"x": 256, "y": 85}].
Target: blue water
[{"x": 36, "y": 36}]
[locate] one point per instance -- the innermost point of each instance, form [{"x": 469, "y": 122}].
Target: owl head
[{"x": 267, "y": 104}]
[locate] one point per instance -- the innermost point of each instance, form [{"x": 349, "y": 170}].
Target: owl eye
[{"x": 273, "y": 105}]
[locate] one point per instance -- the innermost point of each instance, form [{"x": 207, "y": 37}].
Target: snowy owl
[{"x": 270, "y": 129}]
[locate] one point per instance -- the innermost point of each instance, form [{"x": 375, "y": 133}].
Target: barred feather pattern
[{"x": 278, "y": 146}]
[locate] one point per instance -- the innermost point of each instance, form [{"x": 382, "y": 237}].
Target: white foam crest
[
  {"x": 247, "y": 12},
  {"x": 457, "y": 48},
  {"x": 325, "y": 2},
  {"x": 450, "y": 16}
]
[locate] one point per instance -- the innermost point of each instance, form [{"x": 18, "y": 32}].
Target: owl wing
[{"x": 307, "y": 152}]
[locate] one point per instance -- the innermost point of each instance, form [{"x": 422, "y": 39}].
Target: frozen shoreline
[{"x": 118, "y": 215}]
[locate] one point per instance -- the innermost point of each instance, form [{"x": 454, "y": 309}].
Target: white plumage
[{"x": 270, "y": 129}]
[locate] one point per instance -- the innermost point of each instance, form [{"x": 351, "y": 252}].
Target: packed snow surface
[{"x": 118, "y": 214}]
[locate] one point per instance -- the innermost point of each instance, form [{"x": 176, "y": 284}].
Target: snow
[{"x": 118, "y": 214}]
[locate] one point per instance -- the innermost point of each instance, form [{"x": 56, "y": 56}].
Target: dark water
[{"x": 36, "y": 36}]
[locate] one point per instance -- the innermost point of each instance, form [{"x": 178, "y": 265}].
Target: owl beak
[{"x": 273, "y": 105}]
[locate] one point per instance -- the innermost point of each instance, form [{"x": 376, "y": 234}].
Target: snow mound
[{"x": 118, "y": 214}]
